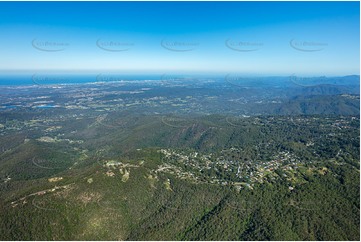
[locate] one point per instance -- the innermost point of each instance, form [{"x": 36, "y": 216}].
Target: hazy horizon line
[{"x": 163, "y": 72}]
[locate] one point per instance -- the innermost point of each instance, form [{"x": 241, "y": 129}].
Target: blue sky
[{"x": 255, "y": 38}]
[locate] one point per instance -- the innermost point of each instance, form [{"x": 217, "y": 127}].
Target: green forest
[{"x": 298, "y": 180}]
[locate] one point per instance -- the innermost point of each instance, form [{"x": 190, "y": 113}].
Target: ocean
[{"x": 52, "y": 79}]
